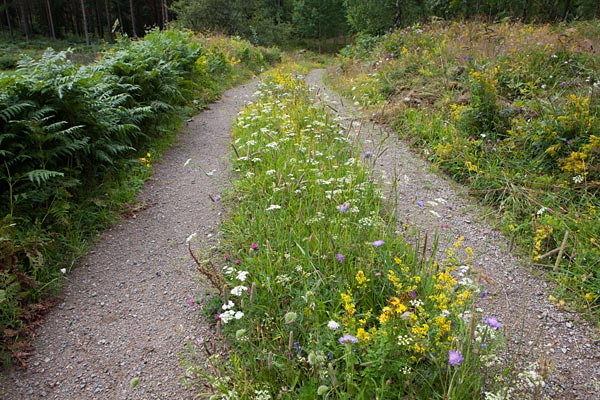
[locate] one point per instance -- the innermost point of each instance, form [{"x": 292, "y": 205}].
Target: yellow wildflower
[
  {"x": 362, "y": 335},
  {"x": 420, "y": 331},
  {"x": 361, "y": 279}
]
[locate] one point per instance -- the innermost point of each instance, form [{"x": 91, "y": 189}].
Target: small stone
[{"x": 569, "y": 324}]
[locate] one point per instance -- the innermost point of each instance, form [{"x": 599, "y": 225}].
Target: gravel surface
[
  {"x": 125, "y": 312},
  {"x": 537, "y": 330}
]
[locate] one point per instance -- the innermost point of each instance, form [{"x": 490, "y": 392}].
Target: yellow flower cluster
[
  {"x": 349, "y": 306},
  {"x": 147, "y": 161},
  {"x": 361, "y": 279}
]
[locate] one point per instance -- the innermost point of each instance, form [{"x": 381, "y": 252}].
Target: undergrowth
[{"x": 510, "y": 110}]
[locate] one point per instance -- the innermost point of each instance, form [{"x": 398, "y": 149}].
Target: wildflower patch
[{"x": 331, "y": 306}]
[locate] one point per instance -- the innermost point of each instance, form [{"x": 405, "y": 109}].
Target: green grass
[
  {"x": 319, "y": 297},
  {"x": 12, "y": 50},
  {"x": 513, "y": 112}
]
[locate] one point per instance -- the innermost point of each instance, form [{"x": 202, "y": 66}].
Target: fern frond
[
  {"x": 40, "y": 176},
  {"x": 11, "y": 111}
]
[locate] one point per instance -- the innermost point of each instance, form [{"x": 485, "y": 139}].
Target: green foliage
[
  {"x": 372, "y": 17},
  {"x": 513, "y": 111},
  {"x": 319, "y": 18},
  {"x": 76, "y": 142}
]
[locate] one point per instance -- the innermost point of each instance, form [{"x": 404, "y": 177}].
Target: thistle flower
[
  {"x": 347, "y": 338},
  {"x": 493, "y": 322},
  {"x": 454, "y": 357},
  {"x": 344, "y": 207}
]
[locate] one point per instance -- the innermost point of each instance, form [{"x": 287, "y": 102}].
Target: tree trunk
[
  {"x": 111, "y": 38},
  {"x": 132, "y": 13},
  {"x": 24, "y": 19},
  {"x": 98, "y": 20},
  {"x": 8, "y": 21},
  {"x": 50, "y": 20},
  {"x": 85, "y": 24},
  {"x": 165, "y": 10}
]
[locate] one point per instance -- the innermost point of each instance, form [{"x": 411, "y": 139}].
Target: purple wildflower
[
  {"x": 254, "y": 246},
  {"x": 454, "y": 357},
  {"x": 340, "y": 257},
  {"x": 191, "y": 302},
  {"x": 563, "y": 84},
  {"x": 347, "y": 338},
  {"x": 493, "y": 322},
  {"x": 413, "y": 294},
  {"x": 378, "y": 243},
  {"x": 420, "y": 203},
  {"x": 297, "y": 347},
  {"x": 484, "y": 294},
  {"x": 344, "y": 207}
]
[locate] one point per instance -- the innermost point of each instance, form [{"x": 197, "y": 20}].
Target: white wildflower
[
  {"x": 404, "y": 340},
  {"x": 239, "y": 290},
  {"x": 541, "y": 211},
  {"x": 262, "y": 395},
  {"x": 241, "y": 276},
  {"x": 227, "y": 316},
  {"x": 228, "y": 305},
  {"x": 273, "y": 207},
  {"x": 333, "y": 325},
  {"x": 503, "y": 394}
]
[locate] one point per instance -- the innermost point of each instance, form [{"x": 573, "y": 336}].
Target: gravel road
[{"x": 124, "y": 313}]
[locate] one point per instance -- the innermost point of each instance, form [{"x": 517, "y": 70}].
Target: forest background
[{"x": 263, "y": 22}]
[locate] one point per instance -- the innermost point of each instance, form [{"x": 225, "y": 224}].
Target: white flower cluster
[
  {"x": 262, "y": 395},
  {"x": 531, "y": 379},
  {"x": 503, "y": 394},
  {"x": 229, "y": 313},
  {"x": 404, "y": 340}
]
